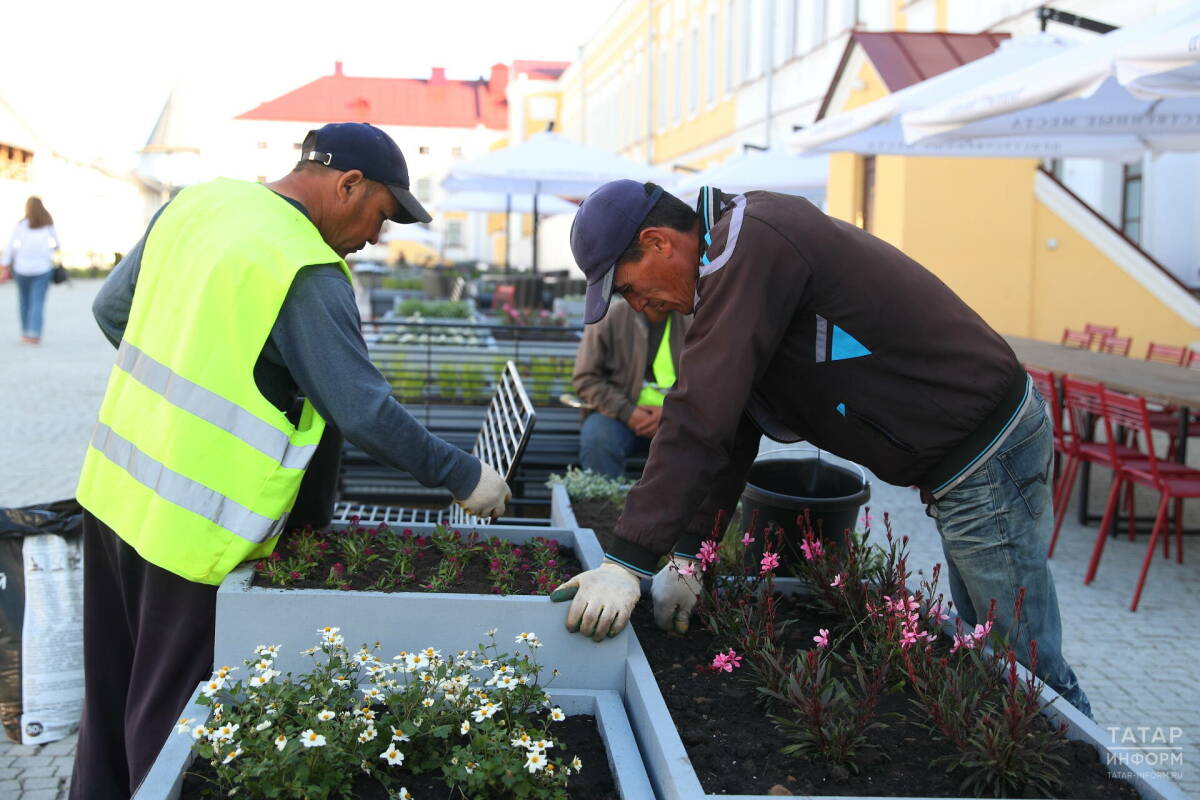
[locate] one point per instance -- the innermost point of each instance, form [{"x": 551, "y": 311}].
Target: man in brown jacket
[
  {"x": 625, "y": 364},
  {"x": 807, "y": 327}
]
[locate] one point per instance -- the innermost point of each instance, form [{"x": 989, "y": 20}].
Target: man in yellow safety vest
[
  {"x": 235, "y": 302},
  {"x": 624, "y": 366}
]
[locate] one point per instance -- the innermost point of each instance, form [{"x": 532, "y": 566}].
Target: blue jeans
[
  {"x": 31, "y": 300},
  {"x": 605, "y": 443},
  {"x": 995, "y": 529}
]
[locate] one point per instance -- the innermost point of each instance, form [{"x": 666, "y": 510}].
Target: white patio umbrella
[
  {"x": 547, "y": 163},
  {"x": 491, "y": 202},
  {"x": 1078, "y": 95},
  {"x": 773, "y": 170},
  {"x": 875, "y": 128}
]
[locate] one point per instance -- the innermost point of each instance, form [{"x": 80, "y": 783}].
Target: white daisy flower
[
  {"x": 469, "y": 767},
  {"x": 280, "y": 742},
  {"x": 398, "y": 735},
  {"x": 223, "y": 672},
  {"x": 257, "y": 681},
  {"x": 372, "y": 694},
  {"x": 404, "y": 794},
  {"x": 557, "y": 715},
  {"x": 535, "y": 761},
  {"x": 506, "y": 682},
  {"x": 427, "y": 702},
  {"x": 392, "y": 756},
  {"x": 263, "y": 664},
  {"x": 341, "y": 681},
  {"x": 486, "y": 711},
  {"x": 262, "y": 726},
  {"x": 541, "y": 744},
  {"x": 199, "y": 732},
  {"x": 367, "y": 735},
  {"x": 184, "y": 725},
  {"x": 311, "y": 738},
  {"x": 213, "y": 686},
  {"x": 224, "y": 733},
  {"x": 232, "y": 755},
  {"x": 523, "y": 740},
  {"x": 464, "y": 728},
  {"x": 576, "y": 764},
  {"x": 327, "y": 631},
  {"x": 490, "y": 633},
  {"x": 325, "y": 715},
  {"x": 308, "y": 652}
]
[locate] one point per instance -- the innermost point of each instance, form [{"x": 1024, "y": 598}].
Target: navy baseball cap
[
  {"x": 604, "y": 225},
  {"x": 356, "y": 145}
]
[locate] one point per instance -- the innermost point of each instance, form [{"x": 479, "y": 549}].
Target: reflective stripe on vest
[
  {"x": 653, "y": 394},
  {"x": 184, "y": 492},
  {"x": 211, "y": 407}
]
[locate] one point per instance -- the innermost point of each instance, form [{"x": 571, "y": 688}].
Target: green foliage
[
  {"x": 583, "y": 484},
  {"x": 452, "y": 309},
  {"x": 472, "y": 717}
]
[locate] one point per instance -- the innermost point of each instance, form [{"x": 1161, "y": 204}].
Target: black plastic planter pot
[{"x": 781, "y": 490}]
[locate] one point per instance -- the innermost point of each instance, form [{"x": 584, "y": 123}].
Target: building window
[
  {"x": 662, "y": 90},
  {"x": 730, "y": 15},
  {"x": 423, "y": 149},
  {"x": 678, "y": 79},
  {"x": 454, "y": 233},
  {"x": 423, "y": 187},
  {"x": 1131, "y": 201},
  {"x": 791, "y": 42},
  {"x": 14, "y": 163},
  {"x": 867, "y": 220},
  {"x": 1054, "y": 166},
  {"x": 261, "y": 145},
  {"x": 711, "y": 55},
  {"x": 694, "y": 78},
  {"x": 747, "y": 25}
]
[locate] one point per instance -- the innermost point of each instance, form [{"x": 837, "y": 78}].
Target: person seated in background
[{"x": 625, "y": 365}]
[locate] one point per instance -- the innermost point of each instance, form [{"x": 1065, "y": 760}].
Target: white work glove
[
  {"x": 603, "y": 600},
  {"x": 490, "y": 496},
  {"x": 675, "y": 593}
]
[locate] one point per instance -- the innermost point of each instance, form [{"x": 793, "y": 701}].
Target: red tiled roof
[
  {"x": 540, "y": 70},
  {"x": 904, "y": 58},
  {"x": 433, "y": 102}
]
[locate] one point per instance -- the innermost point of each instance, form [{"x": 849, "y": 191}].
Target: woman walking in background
[{"x": 30, "y": 256}]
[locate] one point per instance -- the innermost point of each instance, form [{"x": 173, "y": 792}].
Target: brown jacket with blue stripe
[{"x": 807, "y": 327}]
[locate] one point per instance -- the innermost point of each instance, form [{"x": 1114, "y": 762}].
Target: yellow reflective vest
[
  {"x": 189, "y": 463},
  {"x": 653, "y": 394}
]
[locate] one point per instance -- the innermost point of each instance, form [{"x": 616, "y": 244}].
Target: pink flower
[
  {"x": 727, "y": 662},
  {"x": 770, "y": 561},
  {"x": 822, "y": 638},
  {"x": 962, "y": 641},
  {"x": 837, "y": 581},
  {"x": 339, "y": 568},
  {"x": 982, "y": 631},
  {"x": 811, "y": 548},
  {"x": 747, "y": 540},
  {"x": 687, "y": 569},
  {"x": 936, "y": 613},
  {"x": 708, "y": 553}
]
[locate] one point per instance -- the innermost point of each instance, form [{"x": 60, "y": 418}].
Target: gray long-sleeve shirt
[{"x": 316, "y": 348}]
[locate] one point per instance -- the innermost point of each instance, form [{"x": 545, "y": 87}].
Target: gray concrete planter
[
  {"x": 249, "y": 616},
  {"x": 561, "y": 513},
  {"x": 165, "y": 779},
  {"x": 673, "y": 778}
]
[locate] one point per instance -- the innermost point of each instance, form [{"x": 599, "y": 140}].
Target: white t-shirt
[{"x": 31, "y": 250}]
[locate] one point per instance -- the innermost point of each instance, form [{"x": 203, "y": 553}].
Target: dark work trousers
[{"x": 147, "y": 642}]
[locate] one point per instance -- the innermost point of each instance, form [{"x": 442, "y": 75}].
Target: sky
[{"x": 91, "y": 77}]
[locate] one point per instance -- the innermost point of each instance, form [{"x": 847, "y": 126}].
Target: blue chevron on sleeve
[
  {"x": 841, "y": 409},
  {"x": 846, "y": 346}
]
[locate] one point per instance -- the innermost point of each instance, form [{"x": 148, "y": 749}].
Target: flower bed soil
[
  {"x": 734, "y": 748},
  {"x": 599, "y": 515},
  {"x": 595, "y": 782},
  {"x": 474, "y": 577}
]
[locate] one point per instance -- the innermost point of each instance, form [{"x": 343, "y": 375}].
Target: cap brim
[
  {"x": 410, "y": 209},
  {"x": 598, "y": 295}
]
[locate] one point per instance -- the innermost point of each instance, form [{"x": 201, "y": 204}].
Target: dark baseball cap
[
  {"x": 604, "y": 225},
  {"x": 356, "y": 145}
]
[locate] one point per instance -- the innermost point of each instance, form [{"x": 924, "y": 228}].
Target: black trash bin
[{"x": 781, "y": 489}]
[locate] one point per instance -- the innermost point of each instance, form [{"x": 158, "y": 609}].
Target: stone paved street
[{"x": 1138, "y": 669}]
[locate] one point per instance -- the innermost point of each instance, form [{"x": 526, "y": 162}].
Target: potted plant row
[
  {"x": 476, "y": 723},
  {"x": 847, "y": 683},
  {"x": 411, "y": 584}
]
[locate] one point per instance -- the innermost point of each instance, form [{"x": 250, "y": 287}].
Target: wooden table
[{"x": 1163, "y": 383}]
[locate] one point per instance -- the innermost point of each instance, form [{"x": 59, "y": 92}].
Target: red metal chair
[
  {"x": 1100, "y": 331},
  {"x": 1084, "y": 406},
  {"x": 1193, "y": 359},
  {"x": 1077, "y": 339},
  {"x": 1173, "y": 481},
  {"x": 1044, "y": 381},
  {"x": 1116, "y": 345},
  {"x": 1167, "y": 354}
]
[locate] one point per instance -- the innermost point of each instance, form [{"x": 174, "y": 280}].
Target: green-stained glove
[{"x": 601, "y": 600}]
